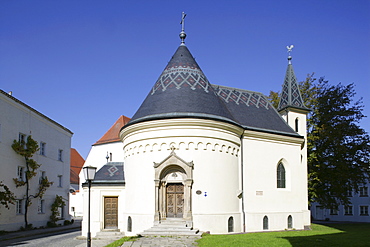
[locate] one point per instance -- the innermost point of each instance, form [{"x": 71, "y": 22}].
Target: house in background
[
  {"x": 107, "y": 149},
  {"x": 18, "y": 121},
  {"x": 77, "y": 163},
  {"x": 204, "y": 156},
  {"x": 357, "y": 211}
]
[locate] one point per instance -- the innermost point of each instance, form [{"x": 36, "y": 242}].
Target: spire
[
  {"x": 290, "y": 95},
  {"x": 183, "y": 34}
]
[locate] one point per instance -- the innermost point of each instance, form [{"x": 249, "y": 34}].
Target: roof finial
[
  {"x": 183, "y": 34},
  {"x": 290, "y": 48}
]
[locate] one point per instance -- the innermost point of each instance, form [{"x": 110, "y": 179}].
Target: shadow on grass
[{"x": 334, "y": 234}]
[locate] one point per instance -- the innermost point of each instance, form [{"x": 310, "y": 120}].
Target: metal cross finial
[
  {"x": 183, "y": 22},
  {"x": 290, "y": 48},
  {"x": 183, "y": 34}
]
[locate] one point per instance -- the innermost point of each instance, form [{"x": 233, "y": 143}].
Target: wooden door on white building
[
  {"x": 175, "y": 200},
  {"x": 110, "y": 212}
]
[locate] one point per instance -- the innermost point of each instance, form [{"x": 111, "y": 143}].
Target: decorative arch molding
[
  {"x": 184, "y": 146},
  {"x": 174, "y": 170}
]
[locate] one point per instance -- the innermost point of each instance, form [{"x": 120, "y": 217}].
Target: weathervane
[
  {"x": 290, "y": 48},
  {"x": 183, "y": 34}
]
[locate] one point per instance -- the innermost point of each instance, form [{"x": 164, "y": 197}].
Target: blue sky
[{"x": 85, "y": 63}]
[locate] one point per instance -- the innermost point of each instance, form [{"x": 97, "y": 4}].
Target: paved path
[{"x": 175, "y": 241}]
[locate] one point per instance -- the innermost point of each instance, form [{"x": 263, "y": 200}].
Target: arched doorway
[
  {"x": 175, "y": 200},
  {"x": 173, "y": 185}
]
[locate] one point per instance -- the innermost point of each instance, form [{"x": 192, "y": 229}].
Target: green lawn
[{"x": 356, "y": 234}]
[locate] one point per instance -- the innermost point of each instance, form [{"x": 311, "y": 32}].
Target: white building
[
  {"x": 208, "y": 157},
  {"x": 357, "y": 211},
  {"x": 108, "y": 148},
  {"x": 18, "y": 120}
]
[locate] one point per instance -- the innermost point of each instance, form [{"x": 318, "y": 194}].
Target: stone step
[
  {"x": 171, "y": 233},
  {"x": 172, "y": 227},
  {"x": 109, "y": 234}
]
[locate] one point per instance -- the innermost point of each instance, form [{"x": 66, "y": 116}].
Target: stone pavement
[{"x": 158, "y": 241}]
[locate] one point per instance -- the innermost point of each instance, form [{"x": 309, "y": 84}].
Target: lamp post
[{"x": 89, "y": 173}]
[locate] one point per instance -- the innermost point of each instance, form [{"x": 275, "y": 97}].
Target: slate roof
[
  {"x": 252, "y": 110},
  {"x": 112, "y": 171},
  {"x": 182, "y": 90},
  {"x": 290, "y": 95},
  {"x": 112, "y": 135}
]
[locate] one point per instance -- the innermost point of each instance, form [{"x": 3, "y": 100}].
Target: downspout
[{"x": 242, "y": 178}]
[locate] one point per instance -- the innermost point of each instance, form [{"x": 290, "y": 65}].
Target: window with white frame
[
  {"x": 60, "y": 155},
  {"x": 40, "y": 207},
  {"x": 364, "y": 191},
  {"x": 333, "y": 211},
  {"x": 20, "y": 173},
  {"x": 348, "y": 210},
  {"x": 22, "y": 138},
  {"x": 42, "y": 176},
  {"x": 19, "y": 207},
  {"x": 364, "y": 210},
  {"x": 280, "y": 176},
  {"x": 296, "y": 125},
  {"x": 60, "y": 181},
  {"x": 42, "y": 148},
  {"x": 61, "y": 212}
]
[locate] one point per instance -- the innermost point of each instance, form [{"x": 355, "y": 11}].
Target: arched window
[
  {"x": 265, "y": 223},
  {"x": 296, "y": 124},
  {"x": 290, "y": 222},
  {"x": 230, "y": 224},
  {"x": 280, "y": 176},
  {"x": 129, "y": 224}
]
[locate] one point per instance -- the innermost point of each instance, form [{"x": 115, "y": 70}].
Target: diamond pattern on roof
[
  {"x": 290, "y": 95},
  {"x": 245, "y": 97},
  {"x": 181, "y": 76}
]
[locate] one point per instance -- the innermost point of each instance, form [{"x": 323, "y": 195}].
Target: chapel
[{"x": 201, "y": 157}]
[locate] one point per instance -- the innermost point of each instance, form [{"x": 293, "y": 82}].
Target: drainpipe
[{"x": 242, "y": 178}]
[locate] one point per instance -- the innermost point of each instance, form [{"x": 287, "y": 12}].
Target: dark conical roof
[
  {"x": 182, "y": 90},
  {"x": 290, "y": 95}
]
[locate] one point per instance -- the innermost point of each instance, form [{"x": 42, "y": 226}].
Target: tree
[
  {"x": 338, "y": 149},
  {"x": 6, "y": 196},
  {"x": 27, "y": 150}
]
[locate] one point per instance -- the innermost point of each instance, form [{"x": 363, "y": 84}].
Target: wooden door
[
  {"x": 175, "y": 200},
  {"x": 110, "y": 212}
]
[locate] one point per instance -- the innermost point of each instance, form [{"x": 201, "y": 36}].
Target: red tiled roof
[
  {"x": 77, "y": 163},
  {"x": 112, "y": 135}
]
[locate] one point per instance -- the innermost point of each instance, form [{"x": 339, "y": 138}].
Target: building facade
[
  {"x": 216, "y": 158},
  {"x": 18, "y": 121},
  {"x": 356, "y": 211}
]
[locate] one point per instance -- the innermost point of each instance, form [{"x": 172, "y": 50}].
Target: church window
[
  {"x": 290, "y": 222},
  {"x": 265, "y": 223},
  {"x": 230, "y": 224},
  {"x": 280, "y": 176},
  {"x": 129, "y": 224},
  {"x": 296, "y": 125}
]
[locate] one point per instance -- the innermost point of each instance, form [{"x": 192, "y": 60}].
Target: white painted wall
[
  {"x": 17, "y": 118},
  {"x": 212, "y": 146},
  {"x": 262, "y": 154},
  {"x": 97, "y": 207}
]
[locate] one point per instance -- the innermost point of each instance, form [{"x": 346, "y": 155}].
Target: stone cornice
[
  {"x": 180, "y": 122},
  {"x": 273, "y": 137}
]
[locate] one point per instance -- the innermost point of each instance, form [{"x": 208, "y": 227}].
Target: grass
[
  {"x": 120, "y": 242},
  {"x": 321, "y": 235},
  {"x": 356, "y": 234}
]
